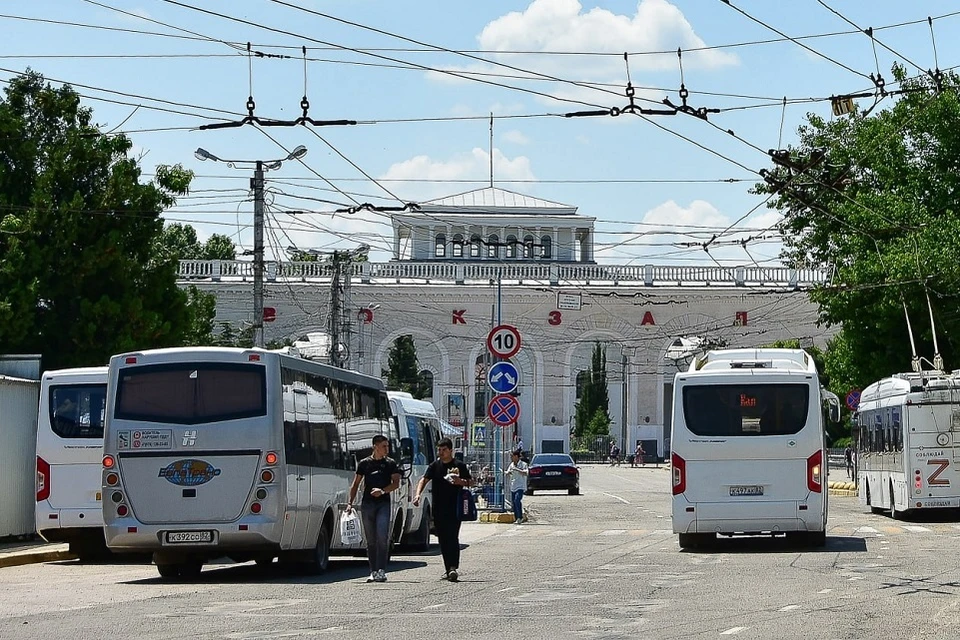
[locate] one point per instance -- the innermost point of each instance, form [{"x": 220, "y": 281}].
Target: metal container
[{"x": 19, "y": 403}]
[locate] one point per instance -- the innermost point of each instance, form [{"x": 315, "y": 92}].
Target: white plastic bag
[{"x": 350, "y": 528}]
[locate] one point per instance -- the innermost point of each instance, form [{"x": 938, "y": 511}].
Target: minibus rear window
[
  {"x": 191, "y": 393},
  {"x": 723, "y": 410}
]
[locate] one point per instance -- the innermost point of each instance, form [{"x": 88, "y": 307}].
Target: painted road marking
[
  {"x": 612, "y": 532},
  {"x": 732, "y": 632},
  {"x": 617, "y": 498},
  {"x": 916, "y": 529},
  {"x": 789, "y": 607}
]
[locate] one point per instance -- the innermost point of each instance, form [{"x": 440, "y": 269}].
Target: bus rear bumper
[
  {"x": 748, "y": 517},
  {"x": 67, "y": 525},
  {"x": 226, "y": 538}
]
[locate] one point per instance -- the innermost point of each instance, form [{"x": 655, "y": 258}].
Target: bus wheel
[
  {"x": 191, "y": 570},
  {"x": 321, "y": 552},
  {"x": 694, "y": 540},
  {"x": 896, "y": 515},
  {"x": 423, "y": 533},
  {"x": 168, "y": 571},
  {"x": 817, "y": 538}
]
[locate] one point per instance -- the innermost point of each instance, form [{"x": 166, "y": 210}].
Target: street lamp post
[{"x": 256, "y": 184}]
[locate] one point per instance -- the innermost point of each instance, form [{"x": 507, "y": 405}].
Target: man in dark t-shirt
[
  {"x": 380, "y": 475},
  {"x": 448, "y": 476}
]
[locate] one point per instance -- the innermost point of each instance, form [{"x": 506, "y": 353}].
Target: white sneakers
[
  {"x": 452, "y": 575},
  {"x": 378, "y": 576}
]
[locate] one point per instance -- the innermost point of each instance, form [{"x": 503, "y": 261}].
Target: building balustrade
[{"x": 477, "y": 273}]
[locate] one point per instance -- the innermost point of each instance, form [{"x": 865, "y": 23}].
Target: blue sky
[{"x": 425, "y": 133}]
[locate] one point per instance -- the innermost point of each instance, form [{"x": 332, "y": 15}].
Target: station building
[{"x": 465, "y": 263}]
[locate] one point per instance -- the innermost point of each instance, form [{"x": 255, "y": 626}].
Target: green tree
[
  {"x": 404, "y": 369},
  {"x": 180, "y": 242},
  {"x": 80, "y": 274},
  {"x": 592, "y": 413},
  {"x": 872, "y": 198}
]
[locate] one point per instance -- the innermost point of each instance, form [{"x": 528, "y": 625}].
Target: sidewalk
[{"x": 13, "y": 554}]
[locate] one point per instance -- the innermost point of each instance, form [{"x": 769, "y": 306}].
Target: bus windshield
[
  {"x": 722, "y": 410},
  {"x": 191, "y": 393}
]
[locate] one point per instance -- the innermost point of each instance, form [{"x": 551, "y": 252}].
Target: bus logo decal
[
  {"x": 933, "y": 478},
  {"x": 189, "y": 473},
  {"x": 189, "y": 437}
]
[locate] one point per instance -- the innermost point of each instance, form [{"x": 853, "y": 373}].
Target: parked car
[{"x": 553, "y": 471}]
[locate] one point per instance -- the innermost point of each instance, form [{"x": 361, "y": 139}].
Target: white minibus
[
  {"x": 907, "y": 443},
  {"x": 245, "y": 453},
  {"x": 419, "y": 427},
  {"x": 69, "y": 450},
  {"x": 748, "y": 446}
]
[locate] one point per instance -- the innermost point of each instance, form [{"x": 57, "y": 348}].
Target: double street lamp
[{"x": 256, "y": 184}]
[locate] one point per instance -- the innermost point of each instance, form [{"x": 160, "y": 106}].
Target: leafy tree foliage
[
  {"x": 81, "y": 277},
  {"x": 872, "y": 198},
  {"x": 404, "y": 370},
  {"x": 181, "y": 243},
  {"x": 591, "y": 414}
]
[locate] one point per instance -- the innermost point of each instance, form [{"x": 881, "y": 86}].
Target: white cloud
[
  {"x": 474, "y": 165},
  {"x": 515, "y": 137},
  {"x": 674, "y": 234},
  {"x": 562, "y": 26}
]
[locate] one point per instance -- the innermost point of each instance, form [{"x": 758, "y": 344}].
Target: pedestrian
[
  {"x": 517, "y": 471},
  {"x": 380, "y": 475},
  {"x": 848, "y": 457},
  {"x": 638, "y": 454},
  {"x": 448, "y": 477},
  {"x": 614, "y": 454}
]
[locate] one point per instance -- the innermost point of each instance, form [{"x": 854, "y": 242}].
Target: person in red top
[
  {"x": 380, "y": 475},
  {"x": 448, "y": 476}
]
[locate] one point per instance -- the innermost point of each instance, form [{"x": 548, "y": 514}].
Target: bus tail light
[
  {"x": 109, "y": 462},
  {"x": 679, "y": 470},
  {"x": 814, "y": 468},
  {"x": 255, "y": 507},
  {"x": 43, "y": 479},
  {"x": 266, "y": 475},
  {"x": 122, "y": 510},
  {"x": 271, "y": 457},
  {"x": 918, "y": 480},
  {"x": 113, "y": 479}
]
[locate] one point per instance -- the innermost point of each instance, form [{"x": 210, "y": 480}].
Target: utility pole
[
  {"x": 623, "y": 402},
  {"x": 336, "y": 312},
  {"x": 256, "y": 184}
]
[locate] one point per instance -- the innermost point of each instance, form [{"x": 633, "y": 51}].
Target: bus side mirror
[
  {"x": 406, "y": 451},
  {"x": 833, "y": 409}
]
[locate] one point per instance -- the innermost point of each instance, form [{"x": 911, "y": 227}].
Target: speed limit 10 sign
[{"x": 503, "y": 341}]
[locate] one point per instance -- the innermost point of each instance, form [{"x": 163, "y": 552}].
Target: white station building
[{"x": 441, "y": 288}]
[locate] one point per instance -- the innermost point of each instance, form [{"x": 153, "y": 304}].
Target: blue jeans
[
  {"x": 516, "y": 498},
  {"x": 376, "y": 530}
]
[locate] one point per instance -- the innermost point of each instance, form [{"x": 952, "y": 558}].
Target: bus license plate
[
  {"x": 180, "y": 537},
  {"x": 746, "y": 490}
]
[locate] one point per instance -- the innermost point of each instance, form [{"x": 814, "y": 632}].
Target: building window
[
  {"x": 426, "y": 384},
  {"x": 582, "y": 379},
  {"x": 545, "y": 247},
  {"x": 527, "y": 247},
  {"x": 457, "y": 249},
  {"x": 493, "y": 247},
  {"x": 440, "y": 249},
  {"x": 511, "y": 246},
  {"x": 475, "y": 244}
]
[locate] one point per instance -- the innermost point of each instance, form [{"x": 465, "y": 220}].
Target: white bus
[
  {"x": 244, "y": 453},
  {"x": 69, "y": 450},
  {"x": 748, "y": 442},
  {"x": 419, "y": 427},
  {"x": 907, "y": 443}
]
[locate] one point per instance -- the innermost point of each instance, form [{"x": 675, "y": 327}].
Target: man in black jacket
[{"x": 449, "y": 476}]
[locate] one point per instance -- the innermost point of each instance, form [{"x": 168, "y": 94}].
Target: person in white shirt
[{"x": 517, "y": 471}]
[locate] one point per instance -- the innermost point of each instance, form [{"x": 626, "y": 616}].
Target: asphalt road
[{"x": 600, "y": 565}]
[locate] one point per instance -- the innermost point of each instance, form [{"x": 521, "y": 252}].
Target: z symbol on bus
[{"x": 189, "y": 437}]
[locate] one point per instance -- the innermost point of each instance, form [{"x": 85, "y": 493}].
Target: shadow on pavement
[{"x": 769, "y": 544}]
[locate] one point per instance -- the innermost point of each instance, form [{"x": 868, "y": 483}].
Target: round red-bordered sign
[
  {"x": 503, "y": 341},
  {"x": 504, "y": 409}
]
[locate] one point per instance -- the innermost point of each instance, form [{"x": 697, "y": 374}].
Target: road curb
[
  {"x": 496, "y": 518},
  {"x": 33, "y": 557}
]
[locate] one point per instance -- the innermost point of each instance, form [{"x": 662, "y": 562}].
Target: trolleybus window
[
  {"x": 723, "y": 410},
  {"x": 191, "y": 393}
]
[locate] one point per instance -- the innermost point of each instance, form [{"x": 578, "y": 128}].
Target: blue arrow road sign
[{"x": 503, "y": 377}]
